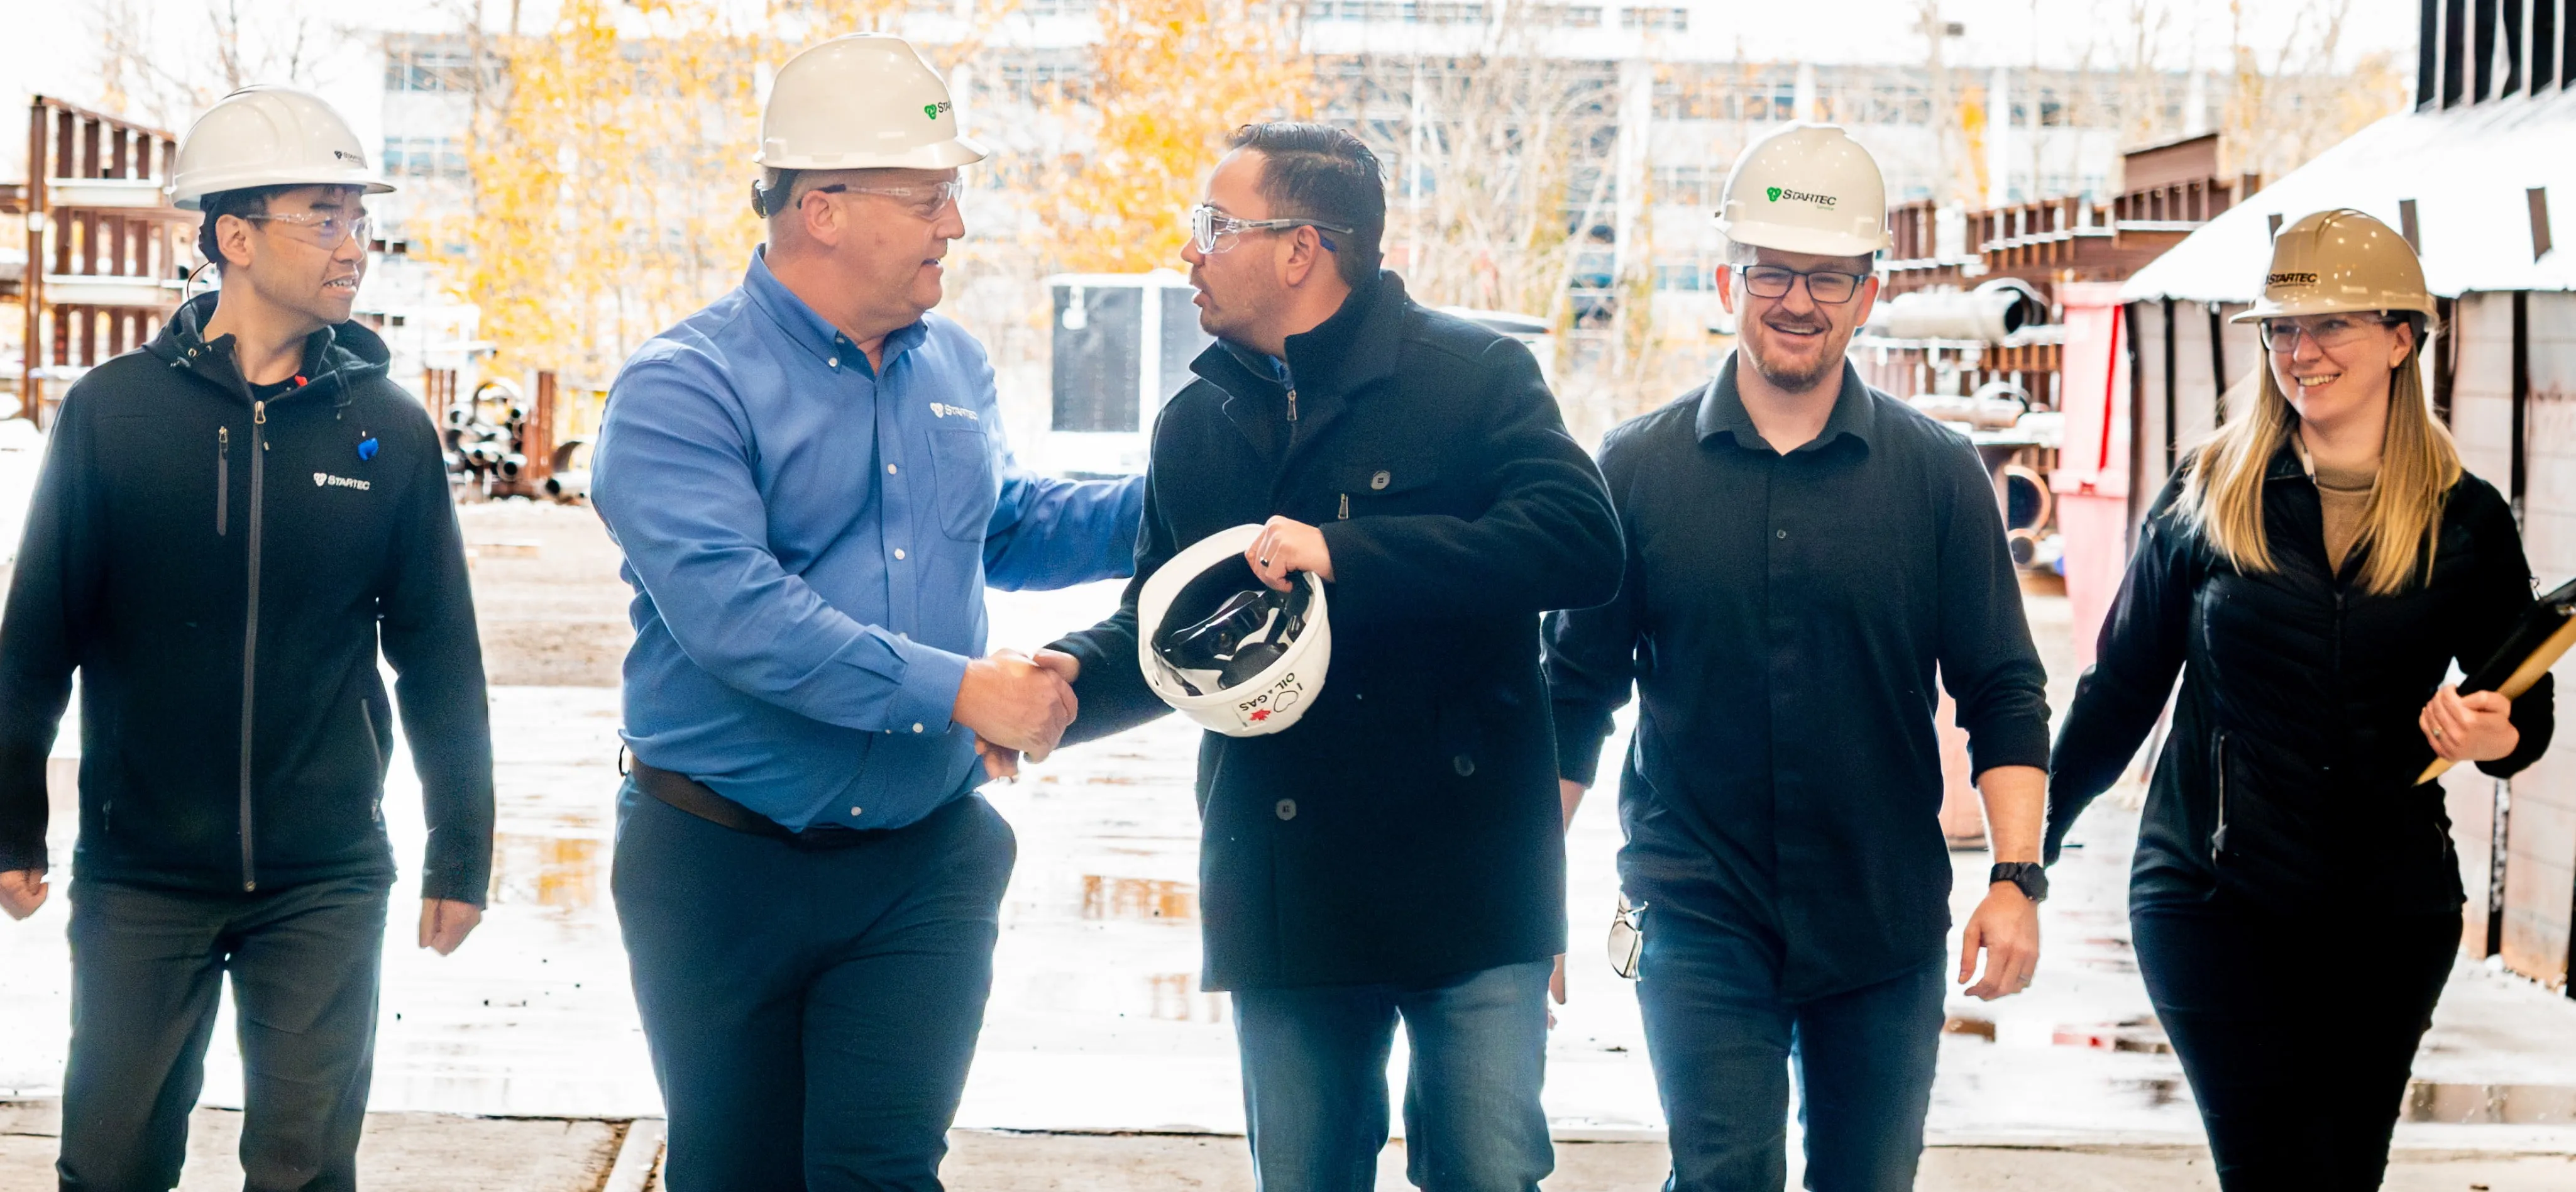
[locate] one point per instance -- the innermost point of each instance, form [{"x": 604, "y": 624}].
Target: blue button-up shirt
[{"x": 809, "y": 540}]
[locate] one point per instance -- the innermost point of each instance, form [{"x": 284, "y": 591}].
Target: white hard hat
[
  {"x": 269, "y": 136},
  {"x": 860, "y": 102},
  {"x": 1226, "y": 651},
  {"x": 1806, "y": 188}
]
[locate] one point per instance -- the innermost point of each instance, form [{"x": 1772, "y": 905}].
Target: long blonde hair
[{"x": 2222, "y": 496}]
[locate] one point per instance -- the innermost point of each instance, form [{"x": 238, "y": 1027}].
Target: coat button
[
  {"x": 1381, "y": 480},
  {"x": 1463, "y": 764},
  {"x": 1287, "y": 809}
]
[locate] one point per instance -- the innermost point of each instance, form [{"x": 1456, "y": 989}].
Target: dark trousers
[
  {"x": 1723, "y": 1042},
  {"x": 811, "y": 1012},
  {"x": 147, "y": 968},
  {"x": 1314, "y": 1082},
  {"x": 2297, "y": 1060}
]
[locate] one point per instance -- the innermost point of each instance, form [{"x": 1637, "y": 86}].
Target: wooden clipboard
[{"x": 2535, "y": 645}]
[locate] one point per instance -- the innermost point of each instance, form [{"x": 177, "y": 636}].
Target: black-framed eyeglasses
[
  {"x": 1214, "y": 231},
  {"x": 2328, "y": 332},
  {"x": 1827, "y": 286}
]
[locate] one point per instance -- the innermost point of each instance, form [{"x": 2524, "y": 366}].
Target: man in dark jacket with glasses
[
  {"x": 1395, "y": 855},
  {"x": 229, "y": 524}
]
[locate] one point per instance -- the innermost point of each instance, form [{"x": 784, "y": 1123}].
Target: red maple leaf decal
[{"x": 1261, "y": 715}]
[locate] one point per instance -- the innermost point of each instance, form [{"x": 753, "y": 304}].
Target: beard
[{"x": 1790, "y": 375}]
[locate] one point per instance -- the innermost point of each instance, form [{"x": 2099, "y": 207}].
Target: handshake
[{"x": 1016, "y": 704}]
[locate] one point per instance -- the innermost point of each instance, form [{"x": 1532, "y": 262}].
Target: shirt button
[
  {"x": 889, "y": 469},
  {"x": 854, "y": 813},
  {"x": 1287, "y": 809},
  {"x": 916, "y": 727},
  {"x": 834, "y": 362},
  {"x": 1463, "y": 764},
  {"x": 1380, "y": 480},
  {"x": 1781, "y": 533},
  {"x": 898, "y": 552}
]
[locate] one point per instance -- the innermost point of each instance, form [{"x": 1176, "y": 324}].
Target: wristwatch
[{"x": 2027, "y": 876}]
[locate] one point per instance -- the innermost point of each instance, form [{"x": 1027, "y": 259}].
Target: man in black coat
[
  {"x": 1397, "y": 854},
  {"x": 229, "y": 523}
]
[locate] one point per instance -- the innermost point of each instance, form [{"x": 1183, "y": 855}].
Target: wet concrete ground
[{"x": 1097, "y": 1021}]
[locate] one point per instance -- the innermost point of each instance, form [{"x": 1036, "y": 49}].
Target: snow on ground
[{"x": 1096, "y": 1018}]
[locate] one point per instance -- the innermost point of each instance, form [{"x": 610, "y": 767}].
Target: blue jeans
[
  {"x": 811, "y": 1012},
  {"x": 1314, "y": 1082},
  {"x": 1723, "y": 1041},
  {"x": 148, "y": 970}
]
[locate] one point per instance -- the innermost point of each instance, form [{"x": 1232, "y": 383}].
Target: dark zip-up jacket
[
  {"x": 1408, "y": 826},
  {"x": 2288, "y": 778},
  {"x": 220, "y": 570}
]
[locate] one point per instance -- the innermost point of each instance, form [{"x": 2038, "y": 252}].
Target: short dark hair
[
  {"x": 1316, "y": 171},
  {"x": 251, "y": 200}
]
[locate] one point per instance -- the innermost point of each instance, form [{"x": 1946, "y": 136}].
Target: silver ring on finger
[{"x": 2437, "y": 734}]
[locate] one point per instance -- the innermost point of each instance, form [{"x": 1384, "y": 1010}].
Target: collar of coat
[
  {"x": 335, "y": 358},
  {"x": 1340, "y": 356}
]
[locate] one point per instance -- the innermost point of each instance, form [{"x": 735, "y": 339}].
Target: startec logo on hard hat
[
  {"x": 933, "y": 110},
  {"x": 2291, "y": 279},
  {"x": 1799, "y": 196}
]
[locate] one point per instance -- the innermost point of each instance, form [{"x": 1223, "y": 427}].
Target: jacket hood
[{"x": 340, "y": 356}]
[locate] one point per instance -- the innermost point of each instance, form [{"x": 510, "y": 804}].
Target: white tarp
[{"x": 2467, "y": 169}]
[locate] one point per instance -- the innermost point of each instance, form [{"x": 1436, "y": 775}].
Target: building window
[
  {"x": 1566, "y": 16},
  {"x": 1671, "y": 20},
  {"x": 428, "y": 68},
  {"x": 1420, "y": 12},
  {"x": 425, "y": 157},
  {"x": 1690, "y": 275}
]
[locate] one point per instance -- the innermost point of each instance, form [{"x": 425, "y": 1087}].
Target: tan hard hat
[
  {"x": 2337, "y": 261},
  {"x": 862, "y": 101},
  {"x": 269, "y": 136},
  {"x": 1806, "y": 188}
]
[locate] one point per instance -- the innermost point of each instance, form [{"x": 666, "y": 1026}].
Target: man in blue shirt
[{"x": 809, "y": 482}]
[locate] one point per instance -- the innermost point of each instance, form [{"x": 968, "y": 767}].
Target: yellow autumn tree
[{"x": 1171, "y": 78}]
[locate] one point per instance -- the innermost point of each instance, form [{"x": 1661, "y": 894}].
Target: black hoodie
[{"x": 220, "y": 750}]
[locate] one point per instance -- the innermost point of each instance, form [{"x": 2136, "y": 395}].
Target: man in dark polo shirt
[{"x": 1804, "y": 553}]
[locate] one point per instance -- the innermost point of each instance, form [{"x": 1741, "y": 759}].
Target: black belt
[{"x": 690, "y": 795}]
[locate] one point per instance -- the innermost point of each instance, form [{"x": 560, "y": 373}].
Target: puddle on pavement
[
  {"x": 560, "y": 872},
  {"x": 2491, "y": 1104},
  {"x": 2142, "y": 1035},
  {"x": 1149, "y": 899},
  {"x": 1178, "y": 998}
]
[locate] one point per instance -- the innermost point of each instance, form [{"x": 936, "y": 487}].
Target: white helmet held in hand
[
  {"x": 1224, "y": 649},
  {"x": 269, "y": 136},
  {"x": 860, "y": 102},
  {"x": 1807, "y": 188}
]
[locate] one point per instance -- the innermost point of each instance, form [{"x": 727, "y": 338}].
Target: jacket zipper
[
  {"x": 1346, "y": 507},
  {"x": 1292, "y": 405},
  {"x": 223, "y": 479},
  {"x": 250, "y": 633},
  {"x": 2218, "y": 838}
]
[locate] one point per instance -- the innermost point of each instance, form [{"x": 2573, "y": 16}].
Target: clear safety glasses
[
  {"x": 925, "y": 201},
  {"x": 1214, "y": 231},
  {"x": 324, "y": 230},
  {"x": 2327, "y": 332}
]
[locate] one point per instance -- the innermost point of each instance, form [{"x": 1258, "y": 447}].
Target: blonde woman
[{"x": 2311, "y": 574}]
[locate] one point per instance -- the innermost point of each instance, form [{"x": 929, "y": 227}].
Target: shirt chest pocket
[
  {"x": 1394, "y": 485},
  {"x": 961, "y": 465}
]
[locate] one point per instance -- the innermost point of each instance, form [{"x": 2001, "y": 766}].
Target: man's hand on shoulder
[
  {"x": 1285, "y": 545},
  {"x": 22, "y": 891},
  {"x": 1014, "y": 702}
]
